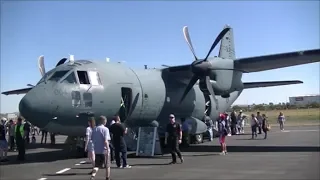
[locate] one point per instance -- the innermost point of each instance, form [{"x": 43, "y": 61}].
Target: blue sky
[{"x": 151, "y": 33}]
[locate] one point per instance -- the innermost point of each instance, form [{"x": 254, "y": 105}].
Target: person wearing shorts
[
  {"x": 89, "y": 145},
  {"x": 100, "y": 138},
  {"x": 223, "y": 132}
]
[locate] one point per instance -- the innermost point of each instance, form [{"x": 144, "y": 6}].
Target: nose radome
[{"x": 25, "y": 107}]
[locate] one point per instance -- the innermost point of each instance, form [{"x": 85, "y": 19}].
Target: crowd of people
[
  {"x": 18, "y": 133},
  {"x": 105, "y": 143},
  {"x": 233, "y": 124}
]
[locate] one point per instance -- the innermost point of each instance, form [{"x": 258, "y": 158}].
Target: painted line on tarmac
[
  {"x": 63, "y": 170},
  {"x": 81, "y": 162},
  {"x": 42, "y": 178},
  {"x": 302, "y": 130}
]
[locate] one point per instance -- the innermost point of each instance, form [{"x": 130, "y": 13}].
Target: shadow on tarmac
[
  {"x": 39, "y": 157},
  {"x": 204, "y": 148}
]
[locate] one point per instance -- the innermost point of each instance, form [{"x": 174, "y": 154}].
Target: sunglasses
[{"x": 171, "y": 117}]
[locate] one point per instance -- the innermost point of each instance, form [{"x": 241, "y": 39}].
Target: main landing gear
[{"x": 76, "y": 146}]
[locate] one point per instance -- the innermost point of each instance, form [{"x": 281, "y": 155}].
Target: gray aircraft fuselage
[{"x": 61, "y": 106}]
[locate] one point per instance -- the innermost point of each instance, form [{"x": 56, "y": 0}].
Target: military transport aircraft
[{"x": 66, "y": 95}]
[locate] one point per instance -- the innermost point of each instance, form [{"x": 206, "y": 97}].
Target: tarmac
[{"x": 290, "y": 154}]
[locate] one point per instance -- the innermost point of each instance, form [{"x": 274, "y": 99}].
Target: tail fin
[{"x": 227, "y": 50}]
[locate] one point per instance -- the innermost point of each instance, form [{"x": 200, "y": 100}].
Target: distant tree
[{"x": 314, "y": 105}]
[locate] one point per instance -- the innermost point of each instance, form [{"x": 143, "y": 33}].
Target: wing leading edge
[
  {"x": 268, "y": 62},
  {"x": 249, "y": 85},
  {"x": 17, "y": 91}
]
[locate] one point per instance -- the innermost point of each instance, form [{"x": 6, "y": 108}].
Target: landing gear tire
[{"x": 198, "y": 138}]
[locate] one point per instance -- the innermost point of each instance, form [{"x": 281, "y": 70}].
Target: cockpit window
[
  {"x": 71, "y": 79},
  {"x": 57, "y": 75},
  {"x": 83, "y": 77},
  {"x": 94, "y": 78},
  {"x": 45, "y": 76}
]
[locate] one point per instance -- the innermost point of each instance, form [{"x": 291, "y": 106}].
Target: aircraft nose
[
  {"x": 25, "y": 107},
  {"x": 32, "y": 107}
]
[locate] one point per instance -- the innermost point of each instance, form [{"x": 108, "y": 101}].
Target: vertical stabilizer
[{"x": 227, "y": 50}]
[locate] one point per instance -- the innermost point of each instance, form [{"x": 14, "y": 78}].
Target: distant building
[{"x": 304, "y": 100}]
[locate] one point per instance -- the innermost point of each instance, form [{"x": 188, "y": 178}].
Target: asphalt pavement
[{"x": 290, "y": 154}]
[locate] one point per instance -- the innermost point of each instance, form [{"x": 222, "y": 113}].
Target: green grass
[{"x": 293, "y": 116}]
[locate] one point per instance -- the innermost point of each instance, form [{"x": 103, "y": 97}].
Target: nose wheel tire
[{"x": 198, "y": 138}]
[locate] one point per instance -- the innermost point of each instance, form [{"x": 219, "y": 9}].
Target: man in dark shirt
[
  {"x": 233, "y": 122},
  {"x": 118, "y": 131},
  {"x": 174, "y": 137},
  {"x": 20, "y": 139}
]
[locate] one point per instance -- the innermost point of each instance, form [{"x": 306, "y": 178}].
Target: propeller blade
[
  {"x": 41, "y": 65},
  {"x": 193, "y": 80},
  {"x": 62, "y": 61},
  {"x": 187, "y": 38},
  {"x": 216, "y": 41},
  {"x": 210, "y": 89}
]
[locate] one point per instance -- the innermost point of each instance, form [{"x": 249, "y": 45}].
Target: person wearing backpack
[{"x": 223, "y": 132}]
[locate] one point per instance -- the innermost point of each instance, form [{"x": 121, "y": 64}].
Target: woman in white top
[
  {"x": 254, "y": 125},
  {"x": 89, "y": 145}
]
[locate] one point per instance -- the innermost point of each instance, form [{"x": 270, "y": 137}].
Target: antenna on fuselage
[{"x": 71, "y": 59}]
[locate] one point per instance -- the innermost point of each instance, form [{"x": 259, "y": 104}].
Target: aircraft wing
[
  {"x": 249, "y": 85},
  {"x": 181, "y": 73},
  {"x": 268, "y": 62},
  {"x": 17, "y": 91}
]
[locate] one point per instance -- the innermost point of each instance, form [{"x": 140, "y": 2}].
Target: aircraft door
[{"x": 125, "y": 103}]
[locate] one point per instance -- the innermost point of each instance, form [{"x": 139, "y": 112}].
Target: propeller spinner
[{"x": 202, "y": 67}]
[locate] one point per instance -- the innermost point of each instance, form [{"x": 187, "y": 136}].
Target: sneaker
[
  {"x": 225, "y": 152},
  {"x": 120, "y": 167},
  {"x": 181, "y": 160},
  {"x": 173, "y": 162},
  {"x": 127, "y": 167},
  {"x": 222, "y": 153}
]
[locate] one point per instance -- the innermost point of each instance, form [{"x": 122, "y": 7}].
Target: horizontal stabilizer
[
  {"x": 268, "y": 62},
  {"x": 17, "y": 91},
  {"x": 249, "y": 85}
]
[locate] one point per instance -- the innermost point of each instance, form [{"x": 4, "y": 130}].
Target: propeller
[
  {"x": 202, "y": 67},
  {"x": 61, "y": 61},
  {"x": 41, "y": 65}
]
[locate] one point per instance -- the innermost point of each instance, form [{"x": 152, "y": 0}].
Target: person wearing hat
[
  {"x": 223, "y": 132},
  {"x": 265, "y": 125}
]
